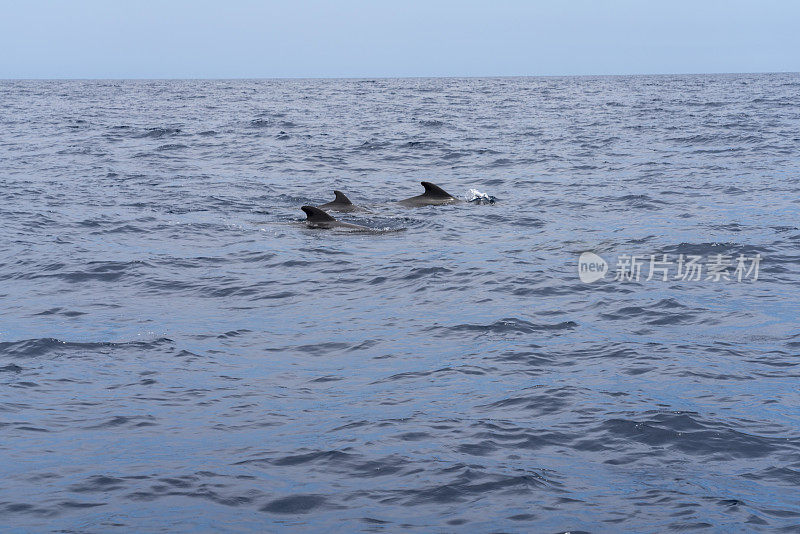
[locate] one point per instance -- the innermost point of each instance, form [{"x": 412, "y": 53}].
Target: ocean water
[{"x": 179, "y": 352}]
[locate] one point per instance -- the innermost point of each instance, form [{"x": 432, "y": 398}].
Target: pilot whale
[
  {"x": 433, "y": 196},
  {"x": 340, "y": 203},
  {"x": 316, "y": 218}
]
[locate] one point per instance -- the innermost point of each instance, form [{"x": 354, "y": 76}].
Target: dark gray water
[{"x": 178, "y": 352}]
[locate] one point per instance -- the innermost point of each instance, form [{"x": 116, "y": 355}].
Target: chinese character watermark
[{"x": 671, "y": 268}]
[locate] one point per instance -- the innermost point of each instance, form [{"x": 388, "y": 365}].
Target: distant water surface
[{"x": 178, "y": 352}]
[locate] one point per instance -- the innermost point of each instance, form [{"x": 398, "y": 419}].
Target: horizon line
[{"x": 384, "y": 77}]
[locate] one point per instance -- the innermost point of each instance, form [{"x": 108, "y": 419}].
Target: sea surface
[{"x": 180, "y": 353}]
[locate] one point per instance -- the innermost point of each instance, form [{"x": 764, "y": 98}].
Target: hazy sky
[{"x": 309, "y": 38}]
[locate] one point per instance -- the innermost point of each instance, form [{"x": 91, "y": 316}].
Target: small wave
[
  {"x": 509, "y": 325},
  {"x": 711, "y": 248},
  {"x": 426, "y": 272},
  {"x": 641, "y": 201},
  {"x": 61, "y": 311},
  {"x": 663, "y": 313},
  {"x": 453, "y": 155},
  {"x": 30, "y": 348},
  {"x": 234, "y": 333},
  {"x": 98, "y": 484},
  {"x": 158, "y": 133},
  {"x": 122, "y": 420},
  {"x": 77, "y": 150},
  {"x": 538, "y": 401},
  {"x": 501, "y": 162},
  {"x": 261, "y": 123},
  {"x": 172, "y": 146},
  {"x": 294, "y": 504},
  {"x": 684, "y": 432},
  {"x": 373, "y": 145},
  {"x": 103, "y": 271},
  {"x": 470, "y": 484},
  {"x": 421, "y": 144}
]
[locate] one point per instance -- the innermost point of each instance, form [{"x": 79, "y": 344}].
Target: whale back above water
[
  {"x": 339, "y": 203},
  {"x": 317, "y": 218},
  {"x": 433, "y": 196},
  {"x": 316, "y": 215}
]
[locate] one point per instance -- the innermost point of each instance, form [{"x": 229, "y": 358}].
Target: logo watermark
[
  {"x": 670, "y": 267},
  {"x": 591, "y": 267}
]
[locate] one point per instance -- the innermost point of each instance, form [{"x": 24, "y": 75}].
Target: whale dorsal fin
[
  {"x": 341, "y": 198},
  {"x": 433, "y": 190},
  {"x": 316, "y": 215}
]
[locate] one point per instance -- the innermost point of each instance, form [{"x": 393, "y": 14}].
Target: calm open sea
[{"x": 178, "y": 352}]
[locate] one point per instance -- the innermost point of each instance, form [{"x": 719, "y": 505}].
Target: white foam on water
[{"x": 473, "y": 195}]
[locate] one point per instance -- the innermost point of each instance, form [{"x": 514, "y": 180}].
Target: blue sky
[{"x": 310, "y": 38}]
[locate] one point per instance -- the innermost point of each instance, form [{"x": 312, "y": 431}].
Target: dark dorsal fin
[
  {"x": 316, "y": 214},
  {"x": 341, "y": 198},
  {"x": 433, "y": 190}
]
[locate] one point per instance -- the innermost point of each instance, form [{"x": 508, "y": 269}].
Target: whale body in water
[{"x": 433, "y": 196}]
